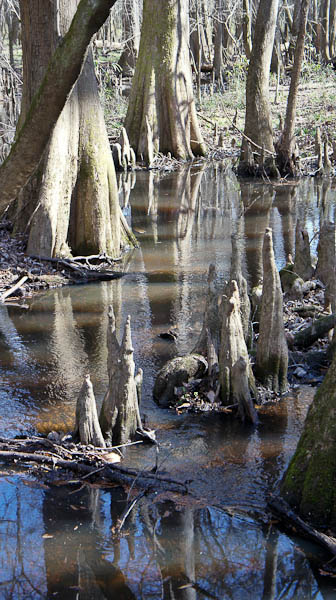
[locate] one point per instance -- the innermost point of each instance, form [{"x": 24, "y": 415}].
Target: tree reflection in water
[{"x": 68, "y": 549}]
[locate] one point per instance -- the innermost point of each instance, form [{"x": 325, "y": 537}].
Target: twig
[
  {"x": 245, "y": 136},
  {"x": 127, "y": 511},
  {"x": 15, "y": 287}
]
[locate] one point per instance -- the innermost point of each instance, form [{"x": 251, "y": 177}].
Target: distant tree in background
[{"x": 161, "y": 104}]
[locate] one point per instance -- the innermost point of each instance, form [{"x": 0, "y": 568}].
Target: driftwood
[
  {"x": 84, "y": 463},
  {"x": 317, "y": 330},
  {"x": 290, "y": 519},
  {"x": 272, "y": 352},
  {"x": 232, "y": 346},
  {"x": 303, "y": 262},
  {"x": 87, "y": 423}
]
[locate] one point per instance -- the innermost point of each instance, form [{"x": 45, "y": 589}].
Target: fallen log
[
  {"x": 106, "y": 471},
  {"x": 83, "y": 272},
  {"x": 290, "y": 519},
  {"x": 317, "y": 330}
]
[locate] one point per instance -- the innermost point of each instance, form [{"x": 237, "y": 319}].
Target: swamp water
[{"x": 58, "y": 541}]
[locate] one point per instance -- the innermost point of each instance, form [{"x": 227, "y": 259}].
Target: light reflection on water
[{"x": 184, "y": 222}]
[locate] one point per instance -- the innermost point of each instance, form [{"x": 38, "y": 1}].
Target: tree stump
[
  {"x": 303, "y": 262},
  {"x": 87, "y": 423},
  {"x": 119, "y": 416},
  {"x": 233, "y": 346},
  {"x": 272, "y": 352}
]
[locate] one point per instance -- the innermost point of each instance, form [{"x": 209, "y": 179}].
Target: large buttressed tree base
[
  {"x": 72, "y": 198},
  {"x": 162, "y": 94}
]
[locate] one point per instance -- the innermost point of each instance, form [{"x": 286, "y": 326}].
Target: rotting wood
[{"x": 83, "y": 272}]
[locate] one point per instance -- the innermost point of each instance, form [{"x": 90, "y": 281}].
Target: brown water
[{"x": 183, "y": 221}]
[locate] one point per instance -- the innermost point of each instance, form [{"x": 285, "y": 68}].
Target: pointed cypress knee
[
  {"x": 119, "y": 416},
  {"x": 236, "y": 274},
  {"x": 303, "y": 262},
  {"x": 210, "y": 326},
  {"x": 232, "y": 345},
  {"x": 87, "y": 424},
  {"x": 272, "y": 352}
]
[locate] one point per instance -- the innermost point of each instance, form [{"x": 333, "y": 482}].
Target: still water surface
[{"x": 58, "y": 541}]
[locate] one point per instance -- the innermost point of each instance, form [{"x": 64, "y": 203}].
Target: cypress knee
[
  {"x": 232, "y": 346},
  {"x": 119, "y": 416},
  {"x": 272, "y": 352},
  {"x": 303, "y": 263},
  {"x": 87, "y": 424}
]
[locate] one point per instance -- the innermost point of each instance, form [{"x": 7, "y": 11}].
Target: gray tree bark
[
  {"x": 162, "y": 94},
  {"x": 63, "y": 70},
  {"x": 272, "y": 352}
]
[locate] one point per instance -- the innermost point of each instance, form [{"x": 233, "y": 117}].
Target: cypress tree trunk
[
  {"x": 309, "y": 483},
  {"x": 72, "y": 200},
  {"x": 161, "y": 102},
  {"x": 258, "y": 124}
]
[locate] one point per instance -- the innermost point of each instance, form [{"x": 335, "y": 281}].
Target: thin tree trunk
[
  {"x": 258, "y": 124},
  {"x": 286, "y": 150}
]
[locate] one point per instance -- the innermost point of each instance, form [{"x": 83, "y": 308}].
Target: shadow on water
[{"x": 183, "y": 221}]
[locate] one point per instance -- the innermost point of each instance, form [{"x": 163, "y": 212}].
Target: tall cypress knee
[{"x": 272, "y": 352}]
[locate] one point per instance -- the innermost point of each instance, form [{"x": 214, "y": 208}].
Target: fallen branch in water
[
  {"x": 14, "y": 288},
  {"x": 290, "y": 519},
  {"x": 84, "y": 272},
  {"x": 82, "y": 461}
]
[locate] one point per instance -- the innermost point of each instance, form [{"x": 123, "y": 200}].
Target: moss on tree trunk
[{"x": 309, "y": 484}]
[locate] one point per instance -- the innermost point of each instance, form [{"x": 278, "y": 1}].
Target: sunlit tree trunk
[
  {"x": 162, "y": 96},
  {"x": 258, "y": 124},
  {"x": 72, "y": 199},
  {"x": 286, "y": 155}
]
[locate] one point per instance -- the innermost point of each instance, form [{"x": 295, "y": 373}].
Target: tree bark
[
  {"x": 309, "y": 483},
  {"x": 258, "y": 124},
  {"x": 162, "y": 91},
  {"x": 50, "y": 98},
  {"x": 119, "y": 416},
  {"x": 272, "y": 352},
  {"x": 286, "y": 155}
]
